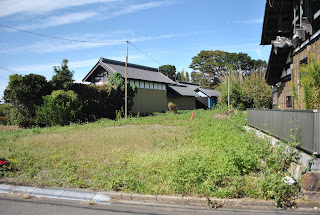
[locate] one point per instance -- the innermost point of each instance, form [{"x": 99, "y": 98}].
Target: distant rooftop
[{"x": 134, "y": 71}]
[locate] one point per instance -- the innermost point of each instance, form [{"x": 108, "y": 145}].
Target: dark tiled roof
[
  {"x": 134, "y": 71},
  {"x": 184, "y": 89},
  {"x": 188, "y": 89}
]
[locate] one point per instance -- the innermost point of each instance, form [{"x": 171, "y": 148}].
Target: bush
[
  {"x": 59, "y": 108},
  {"x": 25, "y": 93},
  {"x": 173, "y": 108}
]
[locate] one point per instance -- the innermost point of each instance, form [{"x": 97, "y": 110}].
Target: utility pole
[
  {"x": 229, "y": 90},
  {"x": 126, "y": 87}
]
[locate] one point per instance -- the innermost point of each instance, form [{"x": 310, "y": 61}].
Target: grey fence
[{"x": 303, "y": 124}]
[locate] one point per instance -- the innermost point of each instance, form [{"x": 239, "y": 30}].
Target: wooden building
[
  {"x": 191, "y": 96},
  {"x": 155, "y": 89},
  {"x": 152, "y": 85},
  {"x": 292, "y": 27}
]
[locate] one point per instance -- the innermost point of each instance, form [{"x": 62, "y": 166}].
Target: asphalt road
[{"x": 17, "y": 205}]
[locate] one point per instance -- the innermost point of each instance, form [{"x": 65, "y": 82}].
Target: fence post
[{"x": 316, "y": 132}]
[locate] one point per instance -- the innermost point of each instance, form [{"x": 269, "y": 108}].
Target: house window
[
  {"x": 105, "y": 78},
  {"x": 304, "y": 61},
  {"x": 147, "y": 84},
  {"x": 289, "y": 101}
]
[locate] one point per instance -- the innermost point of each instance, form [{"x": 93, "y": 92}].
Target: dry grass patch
[{"x": 9, "y": 128}]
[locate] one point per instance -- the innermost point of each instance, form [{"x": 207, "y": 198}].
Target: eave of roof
[
  {"x": 276, "y": 64},
  {"x": 280, "y": 12}
]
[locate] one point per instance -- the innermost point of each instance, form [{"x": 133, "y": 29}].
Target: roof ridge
[{"x": 121, "y": 63}]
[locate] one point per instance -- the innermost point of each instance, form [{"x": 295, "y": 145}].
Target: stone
[{"x": 311, "y": 181}]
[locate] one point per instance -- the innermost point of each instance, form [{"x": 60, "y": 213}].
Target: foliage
[
  {"x": 115, "y": 79},
  {"x": 103, "y": 101},
  {"x": 310, "y": 81},
  {"x": 168, "y": 70},
  {"x": 4, "y": 109},
  {"x": 256, "y": 93},
  {"x": 217, "y": 63},
  {"x": 24, "y": 93},
  {"x": 252, "y": 92},
  {"x": 183, "y": 76},
  {"x": 59, "y": 108},
  {"x": 236, "y": 94},
  {"x": 209, "y": 156},
  {"x": 173, "y": 108},
  {"x": 200, "y": 78},
  {"x": 63, "y": 78}
]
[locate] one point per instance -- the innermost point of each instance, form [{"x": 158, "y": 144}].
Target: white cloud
[
  {"x": 11, "y": 7},
  {"x": 63, "y": 46},
  {"x": 138, "y": 7},
  {"x": 60, "y": 20}
]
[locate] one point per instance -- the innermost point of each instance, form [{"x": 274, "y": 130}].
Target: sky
[{"x": 161, "y": 32}]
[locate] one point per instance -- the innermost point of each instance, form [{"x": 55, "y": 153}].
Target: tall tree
[
  {"x": 217, "y": 64},
  {"x": 168, "y": 70},
  {"x": 63, "y": 78},
  {"x": 24, "y": 93}
]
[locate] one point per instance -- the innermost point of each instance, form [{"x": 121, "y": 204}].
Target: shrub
[
  {"x": 24, "y": 93},
  {"x": 173, "y": 108},
  {"x": 4, "y": 108},
  {"x": 59, "y": 108},
  {"x": 310, "y": 81}
]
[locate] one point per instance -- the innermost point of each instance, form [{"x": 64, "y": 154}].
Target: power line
[
  {"x": 145, "y": 54},
  {"x": 81, "y": 41},
  {"x": 60, "y": 38},
  {"x": 9, "y": 70}
]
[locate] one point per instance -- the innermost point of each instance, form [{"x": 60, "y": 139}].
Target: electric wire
[
  {"x": 9, "y": 70},
  {"x": 60, "y": 38},
  {"x": 145, "y": 54},
  {"x": 81, "y": 41}
]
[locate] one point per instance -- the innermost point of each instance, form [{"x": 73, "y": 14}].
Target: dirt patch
[
  {"x": 225, "y": 114},
  {"x": 9, "y": 128}
]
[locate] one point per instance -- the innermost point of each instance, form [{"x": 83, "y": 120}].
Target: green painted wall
[
  {"x": 184, "y": 102},
  {"x": 149, "y": 101}
]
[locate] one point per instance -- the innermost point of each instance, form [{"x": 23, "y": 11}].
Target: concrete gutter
[
  {"x": 78, "y": 195},
  {"x": 108, "y": 197}
]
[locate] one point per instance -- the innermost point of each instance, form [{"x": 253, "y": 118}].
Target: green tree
[
  {"x": 256, "y": 92},
  {"x": 63, "y": 78},
  {"x": 24, "y": 93},
  {"x": 59, "y": 108},
  {"x": 310, "y": 81},
  {"x": 217, "y": 64},
  {"x": 168, "y": 70},
  {"x": 183, "y": 76},
  {"x": 116, "y": 79},
  {"x": 252, "y": 92}
]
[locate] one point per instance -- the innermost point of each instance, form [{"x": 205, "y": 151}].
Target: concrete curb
[
  {"x": 78, "y": 195},
  {"x": 107, "y": 197},
  {"x": 244, "y": 202}
]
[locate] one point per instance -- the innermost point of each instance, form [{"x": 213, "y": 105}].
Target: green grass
[{"x": 211, "y": 155}]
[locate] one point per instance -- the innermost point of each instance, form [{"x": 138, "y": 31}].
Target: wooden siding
[{"x": 313, "y": 48}]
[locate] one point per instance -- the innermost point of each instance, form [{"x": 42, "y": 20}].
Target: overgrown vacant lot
[{"x": 211, "y": 155}]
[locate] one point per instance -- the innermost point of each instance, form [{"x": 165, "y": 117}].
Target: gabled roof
[
  {"x": 277, "y": 20},
  {"x": 134, "y": 71},
  {"x": 189, "y": 89}
]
